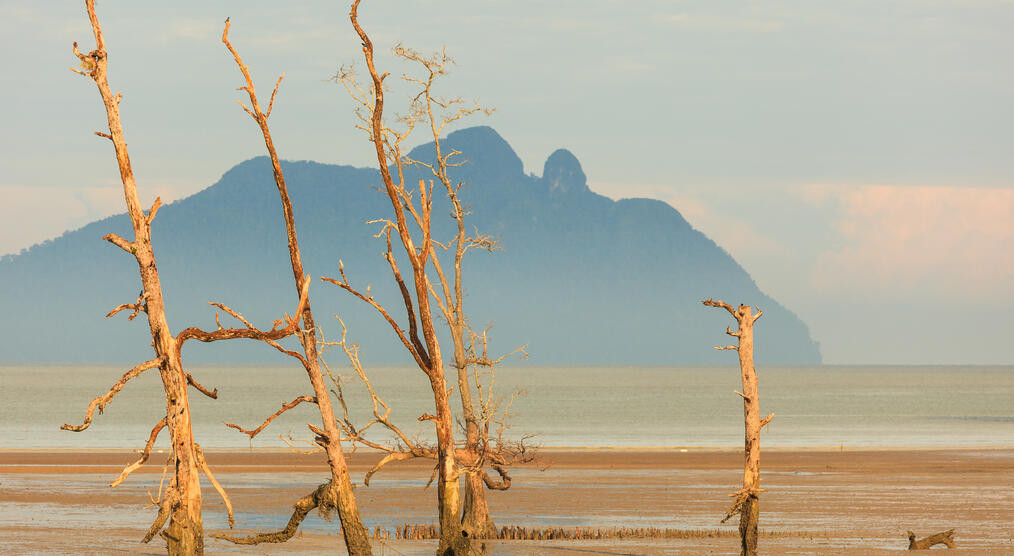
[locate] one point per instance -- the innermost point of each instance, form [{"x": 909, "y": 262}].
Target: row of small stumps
[
  {"x": 425, "y": 532},
  {"x": 517, "y": 533}
]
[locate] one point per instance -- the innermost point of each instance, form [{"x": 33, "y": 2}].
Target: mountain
[{"x": 581, "y": 279}]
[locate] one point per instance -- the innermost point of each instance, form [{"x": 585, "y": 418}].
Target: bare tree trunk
[
  {"x": 452, "y": 540},
  {"x": 475, "y": 516},
  {"x": 751, "y": 418},
  {"x": 182, "y": 504},
  {"x": 747, "y": 503},
  {"x": 356, "y": 537}
]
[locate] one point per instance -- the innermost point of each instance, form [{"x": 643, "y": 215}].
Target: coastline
[{"x": 851, "y": 501}]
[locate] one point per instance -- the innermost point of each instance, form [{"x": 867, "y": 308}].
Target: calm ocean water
[{"x": 563, "y": 406}]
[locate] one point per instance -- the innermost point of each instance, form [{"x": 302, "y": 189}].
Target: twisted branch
[
  {"x": 137, "y": 306},
  {"x": 101, "y": 401},
  {"x": 165, "y": 506},
  {"x": 221, "y": 491},
  {"x": 213, "y": 394},
  {"x": 144, "y": 455},
  {"x": 250, "y": 332},
  {"x": 285, "y": 407},
  {"x": 323, "y": 497}
]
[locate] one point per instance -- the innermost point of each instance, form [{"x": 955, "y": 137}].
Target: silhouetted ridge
[
  {"x": 563, "y": 174},
  {"x": 481, "y": 147},
  {"x": 581, "y": 279}
]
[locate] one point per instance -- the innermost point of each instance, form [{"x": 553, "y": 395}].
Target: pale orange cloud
[
  {"x": 33, "y": 214},
  {"x": 905, "y": 240}
]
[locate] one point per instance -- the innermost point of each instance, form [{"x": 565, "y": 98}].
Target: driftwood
[{"x": 946, "y": 537}]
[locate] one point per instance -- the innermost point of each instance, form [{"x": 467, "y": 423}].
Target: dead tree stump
[
  {"x": 946, "y": 537},
  {"x": 746, "y": 502}
]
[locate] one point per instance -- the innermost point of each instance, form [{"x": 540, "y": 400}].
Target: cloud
[
  {"x": 912, "y": 241},
  {"x": 33, "y": 214}
]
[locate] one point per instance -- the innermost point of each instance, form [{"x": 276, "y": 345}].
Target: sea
[{"x": 826, "y": 407}]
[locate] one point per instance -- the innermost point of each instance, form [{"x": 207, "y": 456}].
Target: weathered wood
[
  {"x": 354, "y": 532},
  {"x": 945, "y": 538},
  {"x": 747, "y": 503},
  {"x": 324, "y": 496},
  {"x": 428, "y": 351},
  {"x": 181, "y": 504},
  {"x": 480, "y": 450}
]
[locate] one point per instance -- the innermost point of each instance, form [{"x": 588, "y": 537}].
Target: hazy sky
[{"x": 857, "y": 158}]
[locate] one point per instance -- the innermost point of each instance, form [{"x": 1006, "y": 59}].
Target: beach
[{"x": 818, "y": 500}]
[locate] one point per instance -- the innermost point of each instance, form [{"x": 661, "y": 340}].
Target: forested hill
[{"x": 581, "y": 279}]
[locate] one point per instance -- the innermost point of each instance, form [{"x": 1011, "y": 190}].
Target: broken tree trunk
[
  {"x": 747, "y": 502},
  {"x": 945, "y": 538}
]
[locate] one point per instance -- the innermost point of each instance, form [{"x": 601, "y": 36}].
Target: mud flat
[{"x": 818, "y": 501}]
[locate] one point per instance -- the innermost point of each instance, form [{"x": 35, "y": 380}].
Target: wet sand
[{"x": 818, "y": 501}]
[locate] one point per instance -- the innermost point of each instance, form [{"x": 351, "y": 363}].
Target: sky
[{"x": 855, "y": 157}]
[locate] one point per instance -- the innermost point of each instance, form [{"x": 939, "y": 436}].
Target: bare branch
[
  {"x": 393, "y": 456},
  {"x": 485, "y": 361},
  {"x": 737, "y": 504},
  {"x": 137, "y": 306},
  {"x": 213, "y": 394},
  {"x": 250, "y": 332},
  {"x": 238, "y": 316},
  {"x": 211, "y": 477},
  {"x": 712, "y": 303},
  {"x": 381, "y": 410},
  {"x": 121, "y": 243},
  {"x": 383, "y": 312},
  {"x": 290, "y": 353},
  {"x": 144, "y": 454},
  {"x": 271, "y": 103},
  {"x": 503, "y": 484},
  {"x": 168, "y": 502},
  {"x": 153, "y": 211},
  {"x": 720, "y": 348},
  {"x": 100, "y": 402},
  {"x": 285, "y": 407}
]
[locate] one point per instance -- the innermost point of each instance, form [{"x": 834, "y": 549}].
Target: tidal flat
[{"x": 818, "y": 501}]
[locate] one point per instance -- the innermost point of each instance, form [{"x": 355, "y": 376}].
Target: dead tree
[
  {"x": 746, "y": 502},
  {"x": 470, "y": 358},
  {"x": 945, "y": 538},
  {"x": 421, "y": 338},
  {"x": 447, "y": 293},
  {"x": 337, "y": 493},
  {"x": 180, "y": 503}
]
